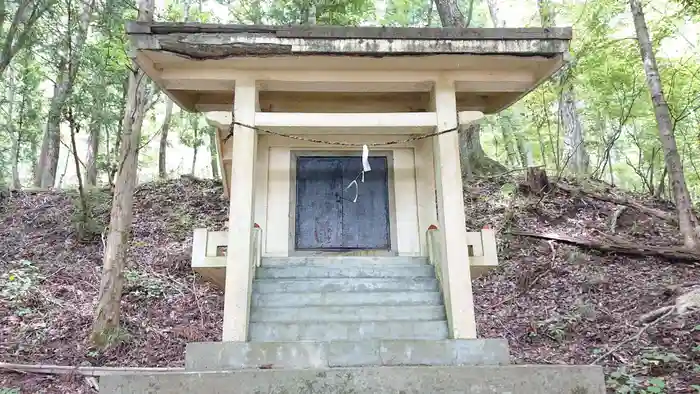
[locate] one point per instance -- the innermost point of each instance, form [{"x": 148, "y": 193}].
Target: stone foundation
[{"x": 516, "y": 379}]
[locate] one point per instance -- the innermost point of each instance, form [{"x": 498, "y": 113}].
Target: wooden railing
[
  {"x": 209, "y": 250},
  {"x": 483, "y": 252}
]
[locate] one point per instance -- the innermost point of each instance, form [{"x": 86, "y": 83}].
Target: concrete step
[
  {"x": 348, "y": 313},
  {"x": 212, "y": 356},
  {"x": 347, "y": 298},
  {"x": 344, "y": 261},
  {"x": 347, "y": 331},
  {"x": 340, "y": 271},
  {"x": 344, "y": 284},
  {"x": 516, "y": 379}
]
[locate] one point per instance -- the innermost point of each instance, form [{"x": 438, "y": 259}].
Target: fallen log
[
  {"x": 620, "y": 201},
  {"x": 83, "y": 370},
  {"x": 618, "y": 245}
]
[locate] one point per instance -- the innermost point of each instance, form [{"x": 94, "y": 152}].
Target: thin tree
[
  {"x": 106, "y": 323},
  {"x": 162, "y": 162},
  {"x": 213, "y": 153},
  {"x": 20, "y": 32},
  {"x": 575, "y": 155},
  {"x": 687, "y": 221},
  {"x": 76, "y": 36}
]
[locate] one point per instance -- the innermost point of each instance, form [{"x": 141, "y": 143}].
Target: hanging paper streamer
[
  {"x": 365, "y": 159},
  {"x": 365, "y": 168}
]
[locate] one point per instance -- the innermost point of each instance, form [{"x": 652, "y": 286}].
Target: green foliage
[
  {"x": 655, "y": 358},
  {"x": 624, "y": 383},
  {"x": 143, "y": 286},
  {"x": 19, "y": 284},
  {"x": 614, "y": 105},
  {"x": 111, "y": 338},
  {"x": 328, "y": 12},
  {"x": 192, "y": 127},
  {"x": 410, "y": 13},
  {"x": 690, "y": 7},
  {"x": 92, "y": 225},
  {"x": 508, "y": 189},
  {"x": 647, "y": 380},
  {"x": 9, "y": 390}
]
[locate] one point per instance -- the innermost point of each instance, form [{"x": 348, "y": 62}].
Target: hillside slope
[{"x": 554, "y": 303}]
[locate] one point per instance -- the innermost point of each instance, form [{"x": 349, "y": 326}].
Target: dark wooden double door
[{"x": 326, "y": 216}]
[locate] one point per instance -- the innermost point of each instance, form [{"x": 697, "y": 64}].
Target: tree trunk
[
  {"x": 34, "y": 151},
  {"x": 195, "y": 148},
  {"x": 15, "y": 131},
  {"x": 524, "y": 155},
  {"x": 213, "y": 153},
  {"x": 84, "y": 211},
  {"x": 610, "y": 168},
  {"x": 576, "y": 158},
  {"x": 473, "y": 159},
  {"x": 537, "y": 181},
  {"x": 114, "y": 158},
  {"x": 65, "y": 170},
  {"x": 451, "y": 15},
  {"x": 16, "y": 145},
  {"x": 524, "y": 151},
  {"x": 508, "y": 142},
  {"x": 21, "y": 30},
  {"x": 660, "y": 189},
  {"x": 50, "y": 146},
  {"x": 574, "y": 146},
  {"x": 93, "y": 150},
  {"x": 106, "y": 323},
  {"x": 48, "y": 160},
  {"x": 493, "y": 11},
  {"x": 194, "y": 159},
  {"x": 687, "y": 221},
  {"x": 162, "y": 167}
]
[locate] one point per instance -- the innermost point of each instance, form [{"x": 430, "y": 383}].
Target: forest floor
[{"x": 554, "y": 303}]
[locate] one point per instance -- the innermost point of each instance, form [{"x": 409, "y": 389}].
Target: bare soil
[{"x": 554, "y": 303}]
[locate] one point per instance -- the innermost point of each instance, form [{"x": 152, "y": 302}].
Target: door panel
[
  {"x": 318, "y": 214},
  {"x": 327, "y": 217},
  {"x": 365, "y": 223}
]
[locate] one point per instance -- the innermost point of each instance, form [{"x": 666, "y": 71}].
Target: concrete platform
[
  {"x": 213, "y": 356},
  {"x": 516, "y": 379}
]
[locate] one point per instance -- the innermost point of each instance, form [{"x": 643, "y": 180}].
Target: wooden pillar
[
  {"x": 455, "y": 264},
  {"x": 239, "y": 265}
]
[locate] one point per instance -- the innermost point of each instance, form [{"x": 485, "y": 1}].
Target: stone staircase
[
  {"x": 364, "y": 325},
  {"x": 349, "y": 299},
  {"x": 321, "y": 312}
]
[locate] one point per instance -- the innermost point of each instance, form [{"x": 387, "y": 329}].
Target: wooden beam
[
  {"x": 387, "y": 120},
  {"x": 319, "y": 123},
  {"x": 345, "y": 102},
  {"x": 239, "y": 253},
  {"x": 222, "y": 79},
  {"x": 454, "y": 252}
]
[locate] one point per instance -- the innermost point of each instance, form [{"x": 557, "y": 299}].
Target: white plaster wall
[{"x": 413, "y": 189}]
